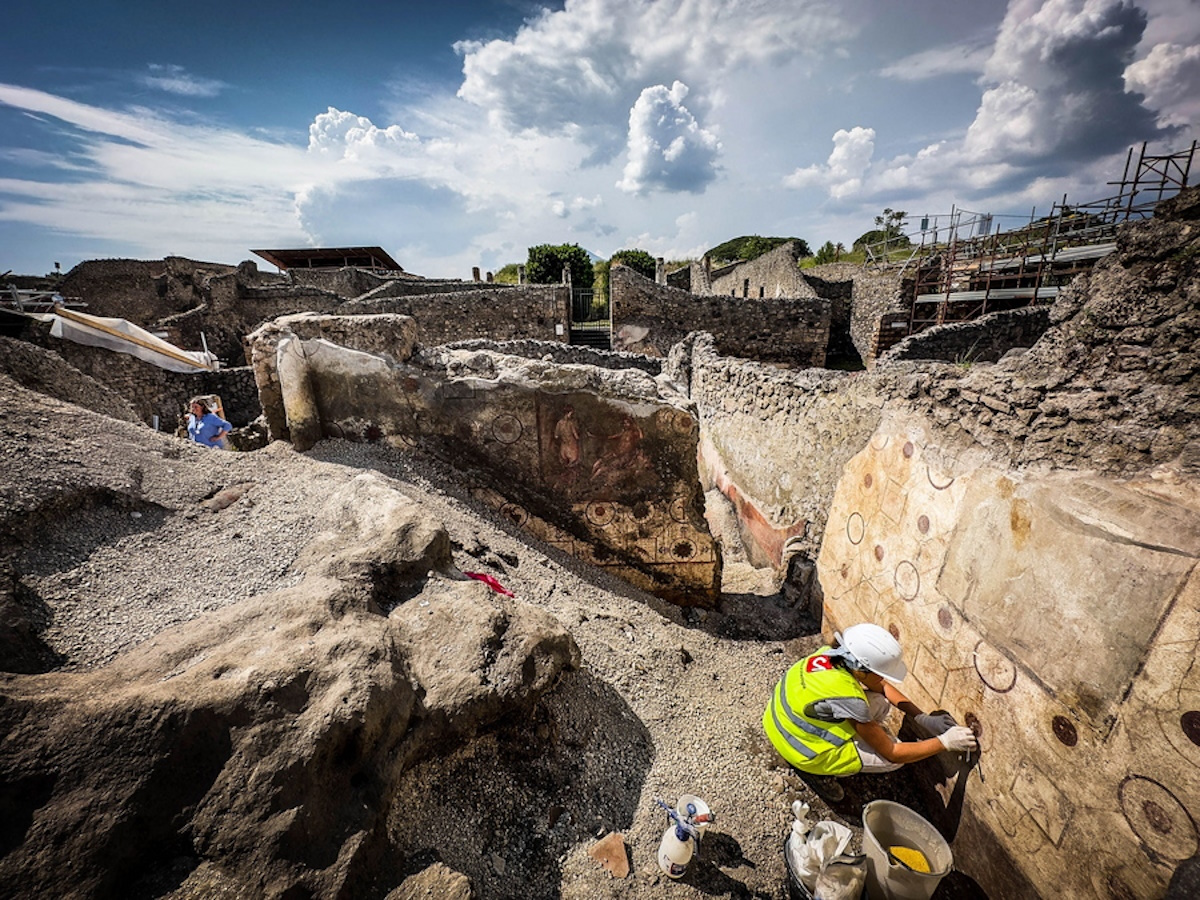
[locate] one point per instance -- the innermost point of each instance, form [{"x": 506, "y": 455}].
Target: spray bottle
[{"x": 676, "y": 848}]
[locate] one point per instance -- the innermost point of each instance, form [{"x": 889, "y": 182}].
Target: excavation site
[{"x": 483, "y": 598}]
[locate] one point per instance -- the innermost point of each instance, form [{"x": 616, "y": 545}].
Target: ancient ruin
[{"x": 300, "y": 670}]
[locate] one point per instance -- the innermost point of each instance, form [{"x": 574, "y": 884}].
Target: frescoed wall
[
  {"x": 1059, "y": 616},
  {"x": 598, "y": 462}
]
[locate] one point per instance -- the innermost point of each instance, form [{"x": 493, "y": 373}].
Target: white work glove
[{"x": 960, "y": 739}]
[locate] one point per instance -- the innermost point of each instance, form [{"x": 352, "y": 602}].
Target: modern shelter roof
[{"x": 330, "y": 258}]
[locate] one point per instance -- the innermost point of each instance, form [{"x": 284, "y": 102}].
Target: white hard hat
[{"x": 876, "y": 650}]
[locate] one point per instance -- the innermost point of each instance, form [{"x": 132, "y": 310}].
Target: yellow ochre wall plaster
[{"x": 1058, "y": 615}]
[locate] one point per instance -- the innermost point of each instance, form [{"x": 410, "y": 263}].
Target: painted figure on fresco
[
  {"x": 566, "y": 433},
  {"x": 624, "y": 458}
]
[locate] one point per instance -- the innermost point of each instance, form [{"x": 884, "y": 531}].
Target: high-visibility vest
[{"x": 813, "y": 745}]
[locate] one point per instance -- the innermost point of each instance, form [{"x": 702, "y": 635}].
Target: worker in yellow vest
[{"x": 826, "y": 714}]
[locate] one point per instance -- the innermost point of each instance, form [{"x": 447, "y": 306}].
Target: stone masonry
[
  {"x": 650, "y": 318},
  {"x": 773, "y": 275}
]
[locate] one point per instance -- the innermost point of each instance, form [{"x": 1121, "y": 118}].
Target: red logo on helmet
[{"x": 819, "y": 664}]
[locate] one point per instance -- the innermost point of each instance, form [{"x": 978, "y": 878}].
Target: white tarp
[{"x": 125, "y": 337}]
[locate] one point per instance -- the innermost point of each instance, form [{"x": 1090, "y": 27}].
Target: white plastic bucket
[{"x": 887, "y": 824}]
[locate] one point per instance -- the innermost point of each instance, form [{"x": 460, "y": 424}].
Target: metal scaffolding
[{"x": 963, "y": 270}]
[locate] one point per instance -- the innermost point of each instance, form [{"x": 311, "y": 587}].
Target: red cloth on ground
[{"x": 490, "y": 582}]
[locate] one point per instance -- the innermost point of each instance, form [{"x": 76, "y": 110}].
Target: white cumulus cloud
[
  {"x": 842, "y": 174},
  {"x": 1056, "y": 77},
  {"x": 1054, "y": 100},
  {"x": 668, "y": 149},
  {"x": 1169, "y": 77},
  {"x": 344, "y": 134},
  {"x": 580, "y": 68}
]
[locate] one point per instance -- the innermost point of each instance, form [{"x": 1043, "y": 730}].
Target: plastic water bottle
[{"x": 675, "y": 851}]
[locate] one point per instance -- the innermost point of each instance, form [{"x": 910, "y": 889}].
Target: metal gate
[{"x": 591, "y": 324}]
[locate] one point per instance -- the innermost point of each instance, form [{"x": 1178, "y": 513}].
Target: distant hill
[{"x": 750, "y": 247}]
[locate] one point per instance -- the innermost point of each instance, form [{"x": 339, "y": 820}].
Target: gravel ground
[{"x": 668, "y": 701}]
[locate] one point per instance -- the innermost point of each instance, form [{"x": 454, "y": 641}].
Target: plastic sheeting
[{"x": 125, "y": 337}]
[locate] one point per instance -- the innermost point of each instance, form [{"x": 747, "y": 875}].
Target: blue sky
[{"x": 457, "y": 134}]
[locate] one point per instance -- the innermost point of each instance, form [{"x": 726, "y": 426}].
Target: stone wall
[
  {"x": 203, "y": 303},
  {"x": 414, "y": 287},
  {"x": 985, "y": 339},
  {"x": 1030, "y": 532},
  {"x": 773, "y": 275},
  {"x": 138, "y": 290},
  {"x": 599, "y": 463},
  {"x": 650, "y": 318},
  {"x": 187, "y": 299},
  {"x": 774, "y": 441},
  {"x": 876, "y": 292},
  {"x": 151, "y": 391},
  {"x": 565, "y": 354},
  {"x": 346, "y": 281},
  {"x": 496, "y": 312}
]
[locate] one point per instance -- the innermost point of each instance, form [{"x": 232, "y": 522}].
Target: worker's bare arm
[{"x": 896, "y": 751}]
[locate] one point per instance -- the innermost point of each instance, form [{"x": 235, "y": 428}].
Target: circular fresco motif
[
  {"x": 1189, "y": 722},
  {"x": 945, "y": 618},
  {"x": 1158, "y": 818},
  {"x": 642, "y": 511},
  {"x": 1179, "y": 719},
  {"x": 1064, "y": 730},
  {"x": 907, "y": 580},
  {"x": 923, "y": 524},
  {"x": 507, "y": 429},
  {"x": 939, "y": 481},
  {"x": 679, "y": 510},
  {"x": 856, "y": 528},
  {"x": 683, "y": 549},
  {"x": 908, "y": 449},
  {"x": 515, "y": 514},
  {"x": 995, "y": 669},
  {"x": 879, "y": 441},
  {"x": 600, "y": 512},
  {"x": 684, "y": 423}
]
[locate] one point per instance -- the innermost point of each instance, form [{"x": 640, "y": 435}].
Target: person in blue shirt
[{"x": 206, "y": 427}]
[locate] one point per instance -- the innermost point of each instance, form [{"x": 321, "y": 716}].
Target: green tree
[
  {"x": 638, "y": 260},
  {"x": 826, "y": 253},
  {"x": 547, "y": 261},
  {"x": 600, "y": 284},
  {"x": 888, "y": 230}
]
